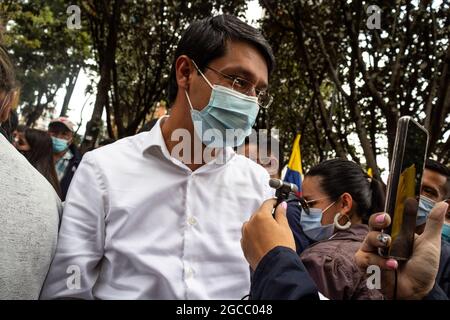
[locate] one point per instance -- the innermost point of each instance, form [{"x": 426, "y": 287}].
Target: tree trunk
[
  {"x": 69, "y": 91},
  {"x": 104, "y": 85}
]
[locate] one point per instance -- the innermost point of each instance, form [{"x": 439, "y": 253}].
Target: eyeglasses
[
  {"x": 305, "y": 204},
  {"x": 245, "y": 87}
]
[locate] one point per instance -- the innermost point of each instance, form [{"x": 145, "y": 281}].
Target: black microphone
[{"x": 283, "y": 189}]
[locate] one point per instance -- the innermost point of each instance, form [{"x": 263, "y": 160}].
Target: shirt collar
[
  {"x": 155, "y": 139},
  {"x": 67, "y": 156}
]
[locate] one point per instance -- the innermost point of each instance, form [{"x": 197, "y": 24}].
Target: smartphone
[{"x": 405, "y": 178}]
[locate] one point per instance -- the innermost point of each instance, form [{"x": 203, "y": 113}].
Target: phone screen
[{"x": 404, "y": 185}]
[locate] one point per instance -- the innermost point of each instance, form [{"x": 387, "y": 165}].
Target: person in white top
[{"x": 146, "y": 219}]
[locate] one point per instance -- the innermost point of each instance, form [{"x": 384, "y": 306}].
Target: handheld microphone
[{"x": 283, "y": 189}]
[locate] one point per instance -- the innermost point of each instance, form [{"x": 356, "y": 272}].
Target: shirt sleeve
[
  {"x": 282, "y": 276},
  {"x": 269, "y": 193},
  {"x": 80, "y": 247}
]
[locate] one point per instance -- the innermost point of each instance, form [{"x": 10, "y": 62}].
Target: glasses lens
[{"x": 243, "y": 86}]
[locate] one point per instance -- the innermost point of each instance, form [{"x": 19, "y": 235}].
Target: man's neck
[{"x": 180, "y": 119}]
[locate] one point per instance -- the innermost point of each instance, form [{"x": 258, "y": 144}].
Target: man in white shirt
[{"x": 146, "y": 220}]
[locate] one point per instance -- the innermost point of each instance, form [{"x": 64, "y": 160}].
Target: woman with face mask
[
  {"x": 338, "y": 198},
  {"x": 36, "y": 146}
]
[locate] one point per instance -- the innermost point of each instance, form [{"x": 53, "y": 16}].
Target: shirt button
[
  {"x": 192, "y": 221},
  {"x": 189, "y": 273}
]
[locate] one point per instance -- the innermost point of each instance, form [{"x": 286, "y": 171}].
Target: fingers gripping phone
[{"x": 403, "y": 191}]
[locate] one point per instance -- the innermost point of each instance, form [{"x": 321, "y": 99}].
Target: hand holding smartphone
[{"x": 403, "y": 192}]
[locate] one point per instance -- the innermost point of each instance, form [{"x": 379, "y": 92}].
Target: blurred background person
[
  {"x": 160, "y": 111},
  {"x": 18, "y": 135},
  {"x": 264, "y": 150},
  {"x": 65, "y": 154},
  {"x": 36, "y": 146},
  {"x": 436, "y": 188},
  {"x": 29, "y": 211}
]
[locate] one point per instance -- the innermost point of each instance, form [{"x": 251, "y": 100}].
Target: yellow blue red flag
[{"x": 294, "y": 173}]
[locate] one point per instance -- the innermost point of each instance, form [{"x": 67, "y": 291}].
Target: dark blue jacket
[
  {"x": 443, "y": 276},
  {"x": 281, "y": 275},
  {"x": 70, "y": 171},
  {"x": 293, "y": 215}
]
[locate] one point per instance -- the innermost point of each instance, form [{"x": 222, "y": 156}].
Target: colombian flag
[{"x": 294, "y": 171}]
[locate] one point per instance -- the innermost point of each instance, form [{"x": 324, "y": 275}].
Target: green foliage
[
  {"x": 147, "y": 35},
  {"x": 367, "y": 78},
  {"x": 46, "y": 52}
]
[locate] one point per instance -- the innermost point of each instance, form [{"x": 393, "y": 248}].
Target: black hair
[
  {"x": 40, "y": 155},
  {"x": 441, "y": 169},
  {"x": 21, "y": 128},
  {"x": 105, "y": 142},
  {"x": 206, "y": 40},
  {"x": 339, "y": 176}
]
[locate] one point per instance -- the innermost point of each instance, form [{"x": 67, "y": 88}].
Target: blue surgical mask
[
  {"x": 59, "y": 145},
  {"x": 313, "y": 219},
  {"x": 425, "y": 207},
  {"x": 227, "y": 111},
  {"x": 320, "y": 233},
  {"x": 446, "y": 232}
]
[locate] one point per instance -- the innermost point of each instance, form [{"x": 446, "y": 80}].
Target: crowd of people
[{"x": 138, "y": 219}]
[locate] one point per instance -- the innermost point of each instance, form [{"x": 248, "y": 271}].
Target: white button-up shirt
[{"x": 139, "y": 224}]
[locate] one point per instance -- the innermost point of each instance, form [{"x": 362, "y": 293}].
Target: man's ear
[
  {"x": 184, "y": 70},
  {"x": 346, "y": 203}
]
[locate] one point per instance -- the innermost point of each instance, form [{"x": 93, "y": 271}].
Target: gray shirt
[{"x": 29, "y": 218}]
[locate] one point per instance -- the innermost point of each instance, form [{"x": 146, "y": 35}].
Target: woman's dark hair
[
  {"x": 339, "y": 176},
  {"x": 41, "y": 155},
  {"x": 206, "y": 40}
]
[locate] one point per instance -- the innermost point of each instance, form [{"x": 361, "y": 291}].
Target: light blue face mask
[
  {"x": 59, "y": 145},
  {"x": 228, "y": 112},
  {"x": 446, "y": 232},
  {"x": 425, "y": 207},
  {"x": 321, "y": 233},
  {"x": 313, "y": 219}
]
